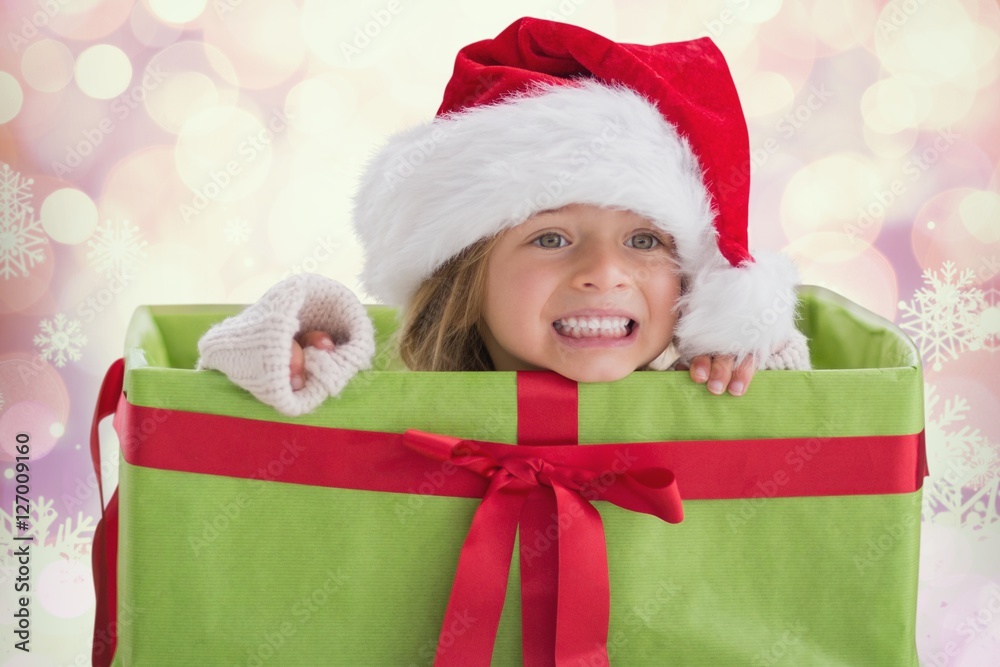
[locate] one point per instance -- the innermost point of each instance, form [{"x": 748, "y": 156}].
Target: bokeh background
[{"x": 198, "y": 151}]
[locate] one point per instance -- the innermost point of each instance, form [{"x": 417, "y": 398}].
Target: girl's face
[{"x": 584, "y": 291}]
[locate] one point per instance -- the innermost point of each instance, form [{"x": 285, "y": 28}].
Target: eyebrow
[{"x": 550, "y": 210}]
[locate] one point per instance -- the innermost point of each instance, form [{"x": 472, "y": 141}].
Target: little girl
[{"x": 577, "y": 205}]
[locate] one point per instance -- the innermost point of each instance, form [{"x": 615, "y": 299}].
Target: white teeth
[{"x": 591, "y": 327}]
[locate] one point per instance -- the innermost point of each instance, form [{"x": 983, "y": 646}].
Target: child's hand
[
  {"x": 720, "y": 375},
  {"x": 297, "y": 370}
]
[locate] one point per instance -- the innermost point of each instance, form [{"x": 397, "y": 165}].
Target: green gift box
[{"x": 238, "y": 536}]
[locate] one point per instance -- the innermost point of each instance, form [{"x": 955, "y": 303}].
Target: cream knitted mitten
[
  {"x": 792, "y": 356},
  {"x": 253, "y": 348}
]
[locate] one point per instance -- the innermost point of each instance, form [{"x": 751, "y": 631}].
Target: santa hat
[{"x": 549, "y": 114}]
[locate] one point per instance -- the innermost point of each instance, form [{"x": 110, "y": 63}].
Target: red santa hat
[{"x": 549, "y": 114}]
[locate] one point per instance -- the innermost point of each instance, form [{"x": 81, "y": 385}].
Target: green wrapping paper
[{"x": 227, "y": 571}]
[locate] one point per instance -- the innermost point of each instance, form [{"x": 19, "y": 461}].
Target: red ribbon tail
[
  {"x": 104, "y": 556},
  {"x": 107, "y": 402},
  {"x": 105, "y": 568},
  {"x": 470, "y": 625},
  {"x": 539, "y": 577},
  {"x": 584, "y": 587}
]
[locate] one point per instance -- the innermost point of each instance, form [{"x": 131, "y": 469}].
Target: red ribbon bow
[{"x": 564, "y": 565}]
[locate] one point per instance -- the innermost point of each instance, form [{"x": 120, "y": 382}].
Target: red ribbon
[{"x": 583, "y": 602}]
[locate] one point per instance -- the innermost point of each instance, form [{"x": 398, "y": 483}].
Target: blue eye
[
  {"x": 643, "y": 241},
  {"x": 551, "y": 240}
]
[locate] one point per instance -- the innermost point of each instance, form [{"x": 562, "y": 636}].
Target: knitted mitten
[
  {"x": 253, "y": 348},
  {"x": 792, "y": 356}
]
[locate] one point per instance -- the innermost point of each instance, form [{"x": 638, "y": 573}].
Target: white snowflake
[
  {"x": 116, "y": 249},
  {"x": 60, "y": 339},
  {"x": 22, "y": 241},
  {"x": 72, "y": 539},
  {"x": 983, "y": 464},
  {"x": 964, "y": 487},
  {"x": 237, "y": 231},
  {"x": 69, "y": 537},
  {"x": 943, "y": 318},
  {"x": 15, "y": 194},
  {"x": 22, "y": 246}
]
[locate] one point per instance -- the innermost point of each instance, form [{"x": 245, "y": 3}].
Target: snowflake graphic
[
  {"x": 22, "y": 246},
  {"x": 15, "y": 193},
  {"x": 70, "y": 538},
  {"x": 71, "y": 542},
  {"x": 237, "y": 231},
  {"x": 964, "y": 489},
  {"x": 60, "y": 550},
  {"x": 116, "y": 249},
  {"x": 943, "y": 317},
  {"x": 22, "y": 241},
  {"x": 60, "y": 339},
  {"x": 984, "y": 465}
]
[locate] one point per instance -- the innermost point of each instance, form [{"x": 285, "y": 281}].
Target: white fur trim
[
  {"x": 747, "y": 310},
  {"x": 438, "y": 188}
]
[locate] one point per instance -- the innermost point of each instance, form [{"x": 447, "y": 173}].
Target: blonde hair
[{"x": 440, "y": 329}]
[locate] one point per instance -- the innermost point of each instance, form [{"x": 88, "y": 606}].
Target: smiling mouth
[{"x": 594, "y": 327}]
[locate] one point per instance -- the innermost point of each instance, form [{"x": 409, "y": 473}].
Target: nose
[{"x": 602, "y": 267}]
